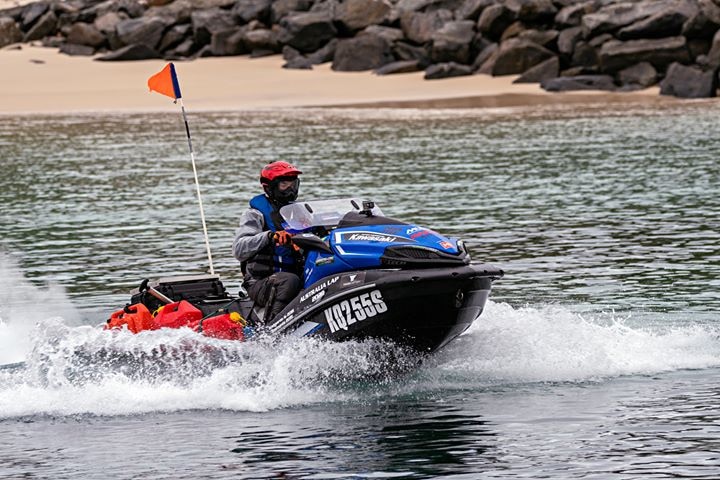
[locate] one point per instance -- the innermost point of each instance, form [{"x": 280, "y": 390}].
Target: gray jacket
[{"x": 251, "y": 236}]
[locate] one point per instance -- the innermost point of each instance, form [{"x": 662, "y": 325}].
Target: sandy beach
[{"x": 42, "y": 80}]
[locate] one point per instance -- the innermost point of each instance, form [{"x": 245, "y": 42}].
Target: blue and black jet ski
[{"x": 365, "y": 276}]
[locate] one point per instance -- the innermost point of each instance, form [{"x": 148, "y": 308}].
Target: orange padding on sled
[
  {"x": 176, "y": 315},
  {"x": 222, "y": 327},
  {"x": 137, "y": 318}
]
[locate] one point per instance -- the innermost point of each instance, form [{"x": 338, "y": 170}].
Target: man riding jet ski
[
  {"x": 332, "y": 269},
  {"x": 271, "y": 264}
]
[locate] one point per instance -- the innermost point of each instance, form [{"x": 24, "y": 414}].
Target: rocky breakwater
[{"x": 561, "y": 44}]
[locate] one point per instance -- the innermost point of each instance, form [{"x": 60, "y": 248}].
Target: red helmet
[{"x": 277, "y": 169}]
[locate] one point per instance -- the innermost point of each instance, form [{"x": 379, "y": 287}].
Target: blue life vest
[{"x": 272, "y": 258}]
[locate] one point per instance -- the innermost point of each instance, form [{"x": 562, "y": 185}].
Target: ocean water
[{"x": 598, "y": 355}]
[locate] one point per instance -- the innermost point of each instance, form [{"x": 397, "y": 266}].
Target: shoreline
[{"x": 27, "y": 86}]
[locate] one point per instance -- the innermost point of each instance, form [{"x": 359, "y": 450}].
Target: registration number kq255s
[{"x": 356, "y": 309}]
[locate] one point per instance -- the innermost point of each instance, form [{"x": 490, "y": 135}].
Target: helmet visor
[{"x": 285, "y": 189}]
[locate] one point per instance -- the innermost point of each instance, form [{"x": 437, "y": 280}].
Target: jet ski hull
[{"x": 423, "y": 308}]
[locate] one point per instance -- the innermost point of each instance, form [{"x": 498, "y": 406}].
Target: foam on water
[
  {"x": 552, "y": 343},
  {"x": 84, "y": 370},
  {"x": 22, "y": 304},
  {"x": 75, "y": 369}
]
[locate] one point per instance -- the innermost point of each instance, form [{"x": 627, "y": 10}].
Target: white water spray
[{"x": 22, "y": 305}]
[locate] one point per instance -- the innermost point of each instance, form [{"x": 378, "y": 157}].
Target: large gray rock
[
  {"x": 616, "y": 55},
  {"x": 585, "y": 55},
  {"x": 282, "y": 8},
  {"x": 127, "y": 8},
  {"x": 494, "y": 20},
  {"x": 447, "y": 70},
  {"x": 353, "y": 15},
  {"x": 262, "y": 40},
  {"x": 643, "y": 75},
  {"x": 597, "y": 42},
  {"x": 207, "y": 22},
  {"x": 324, "y": 54},
  {"x": 89, "y": 14},
  {"x": 247, "y": 10},
  {"x": 451, "y": 43},
  {"x": 218, "y": 43},
  {"x": 713, "y": 56},
  {"x": 85, "y": 34},
  {"x": 471, "y": 9},
  {"x": 698, "y": 47},
  {"x": 405, "y": 51},
  {"x": 13, "y": 12},
  {"x": 75, "y": 50},
  {"x": 298, "y": 63},
  {"x": 366, "y": 52},
  {"x": 206, "y": 4},
  {"x": 580, "y": 82},
  {"x": 516, "y": 56},
  {"x": 45, "y": 25},
  {"x": 513, "y": 30},
  {"x": 548, "y": 69},
  {"x": 567, "y": 40},
  {"x": 699, "y": 26},
  {"x": 9, "y": 31},
  {"x": 31, "y": 13},
  {"x": 420, "y": 27},
  {"x": 546, "y": 38},
  {"x": 486, "y": 59},
  {"x": 289, "y": 53},
  {"x": 401, "y": 66},
  {"x": 413, "y": 5},
  {"x": 144, "y": 30},
  {"x": 391, "y": 35},
  {"x": 130, "y": 52},
  {"x": 108, "y": 22},
  {"x": 571, "y": 15},
  {"x": 688, "y": 82},
  {"x": 617, "y": 15},
  {"x": 665, "y": 23},
  {"x": 184, "y": 50},
  {"x": 451, "y": 5},
  {"x": 532, "y": 10},
  {"x": 173, "y": 37},
  {"x": 711, "y": 10},
  {"x": 306, "y": 31},
  {"x": 178, "y": 11},
  {"x": 133, "y": 8}
]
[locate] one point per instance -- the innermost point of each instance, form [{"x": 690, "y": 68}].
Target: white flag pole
[
  {"x": 197, "y": 187},
  {"x": 166, "y": 83}
]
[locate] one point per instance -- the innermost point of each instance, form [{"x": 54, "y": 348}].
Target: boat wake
[
  {"x": 70, "y": 369},
  {"x": 555, "y": 344}
]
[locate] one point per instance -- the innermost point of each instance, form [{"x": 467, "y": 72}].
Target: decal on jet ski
[
  {"x": 369, "y": 237},
  {"x": 446, "y": 245},
  {"x": 352, "y": 279},
  {"x": 315, "y": 290},
  {"x": 324, "y": 261},
  {"x": 317, "y": 296},
  {"x": 288, "y": 316},
  {"x": 356, "y": 309}
]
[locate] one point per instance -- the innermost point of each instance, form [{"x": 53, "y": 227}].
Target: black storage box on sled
[{"x": 204, "y": 291}]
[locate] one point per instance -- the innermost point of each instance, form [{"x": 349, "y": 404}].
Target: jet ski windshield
[{"x": 300, "y": 216}]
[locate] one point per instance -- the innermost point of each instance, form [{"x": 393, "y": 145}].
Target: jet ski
[{"x": 365, "y": 276}]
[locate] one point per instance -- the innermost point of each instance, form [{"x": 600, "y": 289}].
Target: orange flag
[{"x": 165, "y": 82}]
